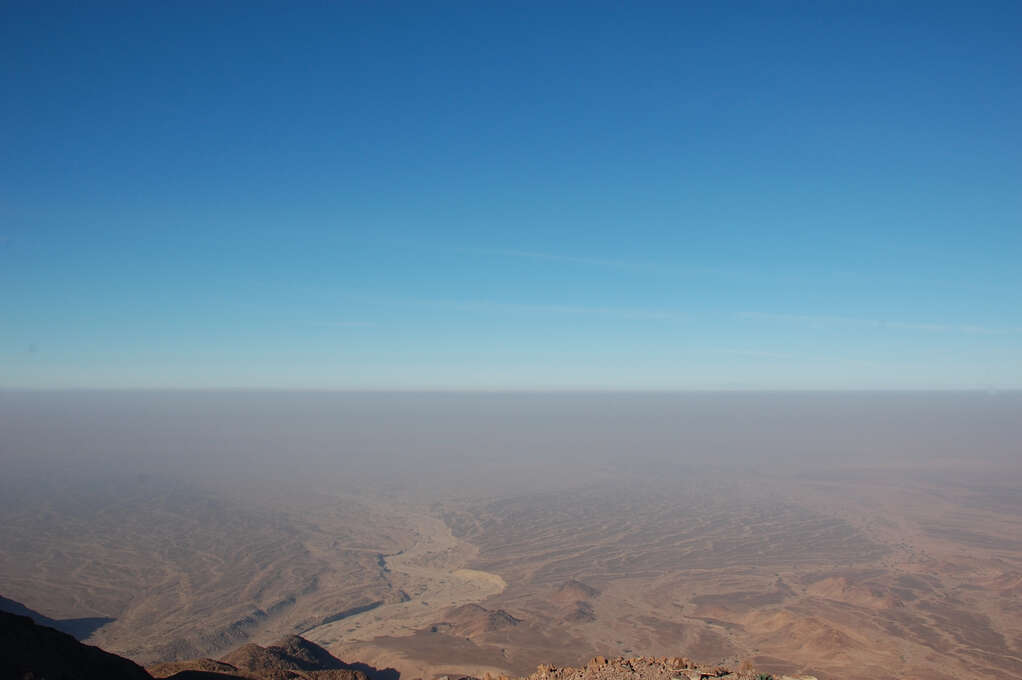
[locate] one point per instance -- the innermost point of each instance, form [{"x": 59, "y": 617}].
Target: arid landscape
[
  {"x": 511, "y": 340},
  {"x": 856, "y": 580},
  {"x": 848, "y": 569}
]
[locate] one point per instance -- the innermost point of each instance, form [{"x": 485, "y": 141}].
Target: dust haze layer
[{"x": 847, "y": 535}]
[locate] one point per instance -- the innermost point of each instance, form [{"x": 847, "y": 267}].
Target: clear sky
[{"x": 522, "y": 195}]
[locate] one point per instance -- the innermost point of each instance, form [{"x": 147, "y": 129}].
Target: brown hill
[
  {"x": 574, "y": 598},
  {"x": 471, "y": 620},
  {"x": 840, "y": 589},
  {"x": 291, "y": 657},
  {"x": 573, "y": 591},
  {"x": 255, "y": 659},
  {"x": 176, "y": 668},
  {"x": 581, "y": 613}
]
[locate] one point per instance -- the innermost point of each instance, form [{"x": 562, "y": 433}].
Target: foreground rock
[
  {"x": 646, "y": 668},
  {"x": 32, "y": 652},
  {"x": 292, "y": 657},
  {"x": 174, "y": 668}
]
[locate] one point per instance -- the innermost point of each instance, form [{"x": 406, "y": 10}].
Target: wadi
[{"x": 472, "y": 565}]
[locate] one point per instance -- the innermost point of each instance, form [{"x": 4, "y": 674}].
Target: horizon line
[{"x": 513, "y": 390}]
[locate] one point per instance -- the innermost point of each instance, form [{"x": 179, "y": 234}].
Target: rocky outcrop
[
  {"x": 471, "y": 620},
  {"x": 292, "y": 657},
  {"x": 176, "y": 668},
  {"x": 572, "y": 591},
  {"x": 575, "y": 600},
  {"x": 645, "y": 668}
]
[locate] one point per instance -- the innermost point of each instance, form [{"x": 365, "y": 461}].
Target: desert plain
[{"x": 843, "y": 536}]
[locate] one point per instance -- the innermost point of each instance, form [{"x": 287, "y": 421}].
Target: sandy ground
[{"x": 433, "y": 576}]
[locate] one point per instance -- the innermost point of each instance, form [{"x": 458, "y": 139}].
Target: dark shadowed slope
[
  {"x": 78, "y": 628},
  {"x": 28, "y": 650}
]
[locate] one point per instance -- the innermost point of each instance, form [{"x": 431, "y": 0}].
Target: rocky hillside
[
  {"x": 33, "y": 652},
  {"x": 29, "y": 651},
  {"x": 649, "y": 668},
  {"x": 293, "y": 658}
]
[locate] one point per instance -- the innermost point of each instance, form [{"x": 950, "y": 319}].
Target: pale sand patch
[
  {"x": 493, "y": 580},
  {"x": 431, "y": 573}
]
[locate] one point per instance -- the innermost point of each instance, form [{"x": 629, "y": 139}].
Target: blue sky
[{"x": 511, "y": 195}]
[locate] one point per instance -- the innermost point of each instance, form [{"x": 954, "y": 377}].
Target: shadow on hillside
[
  {"x": 81, "y": 628},
  {"x": 372, "y": 672}
]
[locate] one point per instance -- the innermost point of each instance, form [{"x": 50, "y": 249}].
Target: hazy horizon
[
  {"x": 481, "y": 439},
  {"x": 389, "y": 527},
  {"x": 464, "y": 337}
]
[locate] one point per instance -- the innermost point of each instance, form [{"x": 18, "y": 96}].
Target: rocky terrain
[
  {"x": 869, "y": 565},
  {"x": 651, "y": 668},
  {"x": 29, "y": 651},
  {"x": 861, "y": 579},
  {"x": 292, "y": 658}
]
